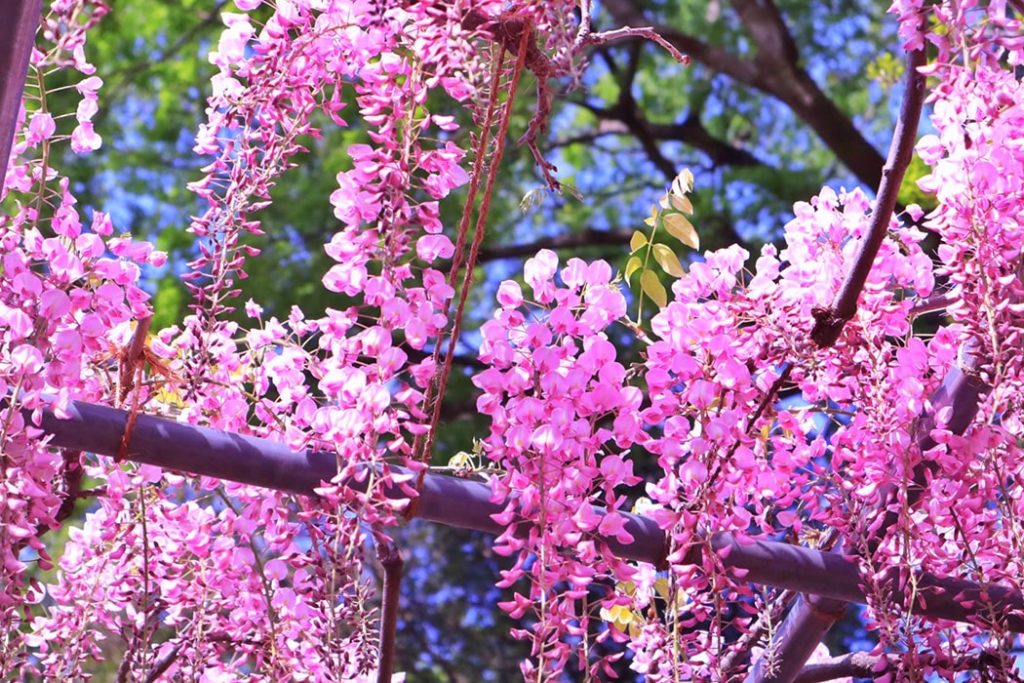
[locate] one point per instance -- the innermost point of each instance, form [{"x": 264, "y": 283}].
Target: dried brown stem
[
  {"x": 510, "y": 31},
  {"x": 163, "y": 664}
]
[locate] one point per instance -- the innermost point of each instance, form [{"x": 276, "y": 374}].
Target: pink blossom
[
  {"x": 84, "y": 138},
  {"x": 40, "y": 127}
]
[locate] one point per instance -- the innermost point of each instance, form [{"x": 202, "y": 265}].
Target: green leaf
[
  {"x": 652, "y": 287},
  {"x": 637, "y": 241},
  {"x": 668, "y": 261},
  {"x": 632, "y": 265},
  {"x": 680, "y": 228}
]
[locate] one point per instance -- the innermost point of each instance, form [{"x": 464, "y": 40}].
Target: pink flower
[
  {"x": 84, "y": 138},
  {"x": 510, "y": 294},
  {"x": 40, "y": 127}
]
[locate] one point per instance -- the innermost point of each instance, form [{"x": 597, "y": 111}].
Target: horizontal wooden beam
[{"x": 469, "y": 504}]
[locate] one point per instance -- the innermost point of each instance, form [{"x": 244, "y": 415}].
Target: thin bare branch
[{"x": 585, "y": 238}]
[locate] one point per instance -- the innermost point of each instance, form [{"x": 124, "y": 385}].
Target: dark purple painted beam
[
  {"x": 467, "y": 504},
  {"x": 18, "y": 22},
  {"x": 812, "y": 616}
]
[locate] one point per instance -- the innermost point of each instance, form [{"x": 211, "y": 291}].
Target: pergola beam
[{"x": 469, "y": 504}]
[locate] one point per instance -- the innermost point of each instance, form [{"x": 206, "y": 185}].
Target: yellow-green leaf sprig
[{"x": 670, "y": 214}]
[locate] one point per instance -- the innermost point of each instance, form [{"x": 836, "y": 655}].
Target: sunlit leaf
[
  {"x": 683, "y": 182},
  {"x": 653, "y": 218},
  {"x": 652, "y": 287},
  {"x": 632, "y": 265},
  {"x": 637, "y": 241},
  {"x": 681, "y": 228},
  {"x": 681, "y": 203},
  {"x": 668, "y": 261},
  {"x": 461, "y": 460}
]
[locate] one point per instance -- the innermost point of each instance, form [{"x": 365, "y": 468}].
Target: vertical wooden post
[{"x": 20, "y": 19}]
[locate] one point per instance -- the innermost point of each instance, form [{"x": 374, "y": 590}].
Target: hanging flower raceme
[
  {"x": 66, "y": 286},
  {"x": 563, "y": 421}
]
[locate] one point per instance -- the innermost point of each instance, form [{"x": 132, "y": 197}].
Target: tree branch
[
  {"x": 585, "y": 238},
  {"x": 781, "y": 78},
  {"x": 829, "y": 322},
  {"x": 813, "y": 615},
  {"x": 866, "y": 665},
  {"x": 766, "y": 26},
  {"x": 391, "y": 560}
]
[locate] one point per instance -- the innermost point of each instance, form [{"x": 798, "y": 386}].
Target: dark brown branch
[
  {"x": 866, "y": 665},
  {"x": 813, "y": 615},
  {"x": 693, "y": 133},
  {"x": 829, "y": 322},
  {"x": 933, "y": 304},
  {"x": 764, "y": 22},
  {"x": 781, "y": 78},
  {"x": 17, "y": 36},
  {"x": 590, "y": 138},
  {"x": 585, "y": 238},
  {"x": 626, "y": 12},
  {"x": 739, "y": 654},
  {"x": 632, "y": 67},
  {"x": 161, "y": 665},
  {"x": 417, "y": 355},
  {"x": 391, "y": 560},
  {"x": 509, "y": 30}
]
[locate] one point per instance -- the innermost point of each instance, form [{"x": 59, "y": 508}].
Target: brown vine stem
[
  {"x": 829, "y": 322},
  {"x": 391, "y": 560},
  {"x": 132, "y": 360},
  {"x": 478, "y": 236},
  {"x": 432, "y": 399}
]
